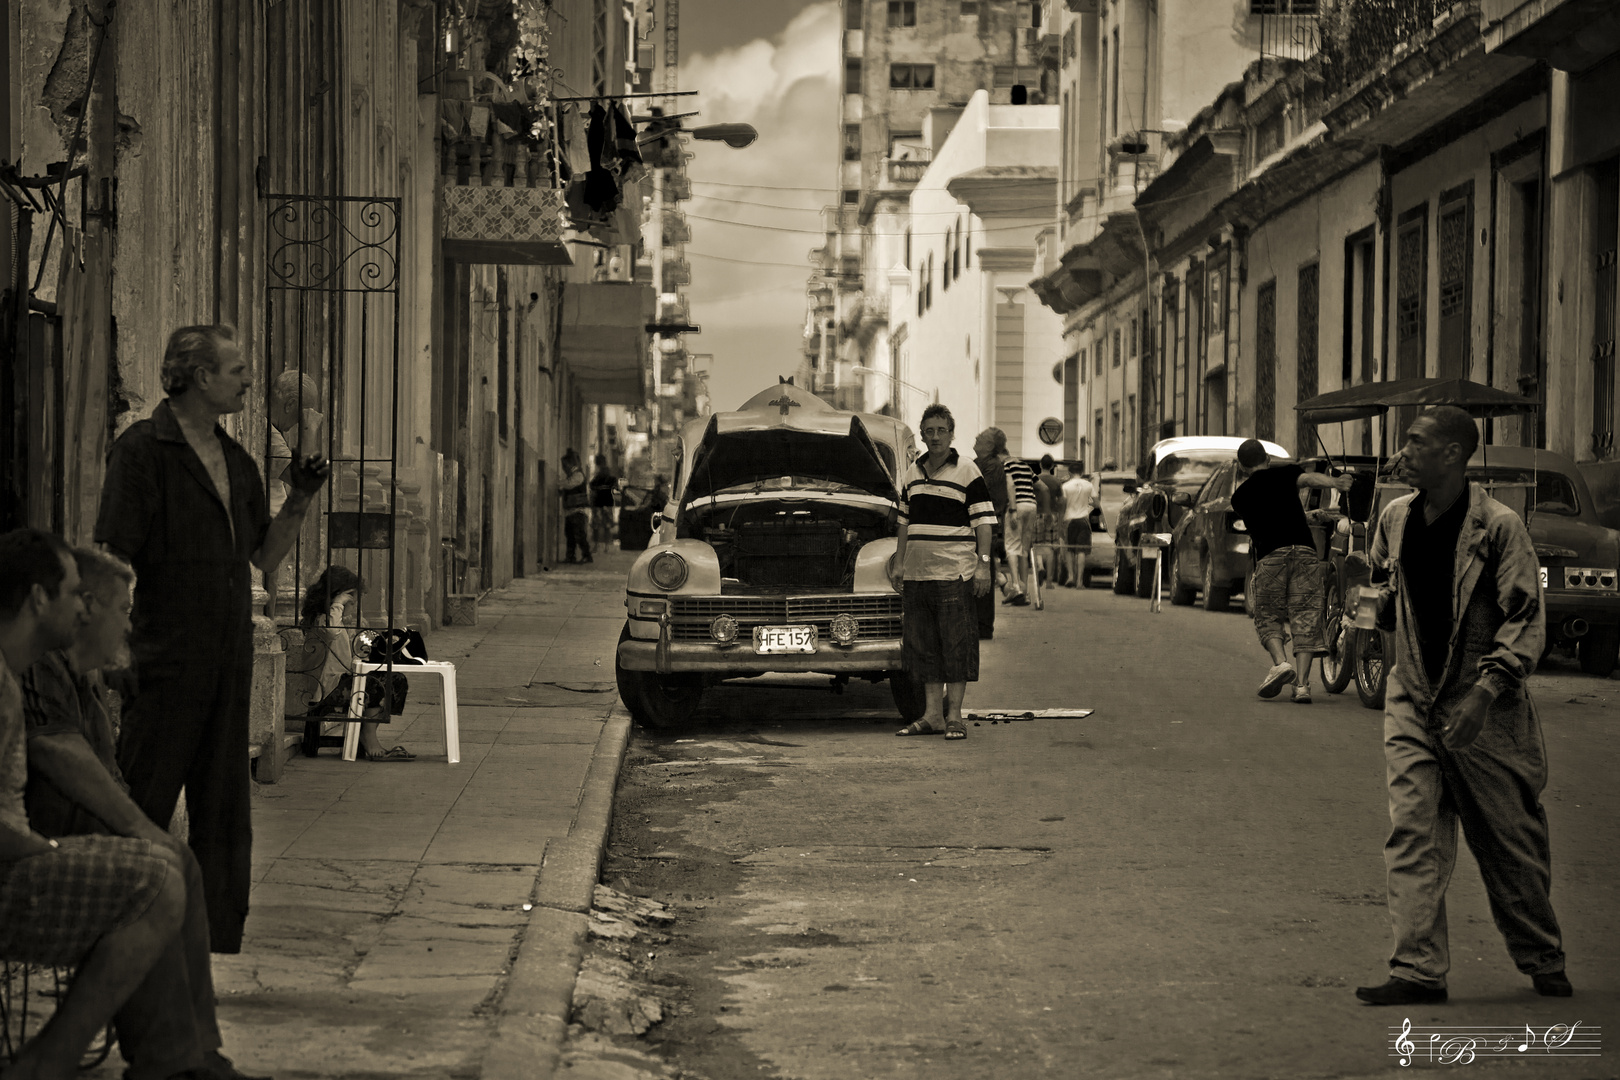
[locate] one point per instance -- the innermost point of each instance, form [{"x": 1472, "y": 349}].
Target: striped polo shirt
[
  {"x": 940, "y": 513},
  {"x": 1023, "y": 478}
]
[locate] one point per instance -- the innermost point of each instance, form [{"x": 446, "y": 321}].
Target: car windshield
[
  {"x": 1555, "y": 493},
  {"x": 1188, "y": 470}
]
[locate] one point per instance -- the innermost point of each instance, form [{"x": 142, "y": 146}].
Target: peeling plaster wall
[{"x": 54, "y": 66}]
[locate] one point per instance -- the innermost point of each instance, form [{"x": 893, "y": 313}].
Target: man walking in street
[
  {"x": 1021, "y": 518},
  {"x": 1287, "y": 571},
  {"x": 1079, "y": 501},
  {"x": 168, "y": 1027},
  {"x": 184, "y": 504},
  {"x": 1462, "y": 741},
  {"x": 108, "y": 905},
  {"x": 1049, "y": 523}
]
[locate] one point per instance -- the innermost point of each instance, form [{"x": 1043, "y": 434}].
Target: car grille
[{"x": 878, "y": 613}]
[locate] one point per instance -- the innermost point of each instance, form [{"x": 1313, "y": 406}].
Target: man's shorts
[
  {"x": 1077, "y": 534},
  {"x": 54, "y": 907},
  {"x": 1288, "y": 588},
  {"x": 939, "y": 640},
  {"x": 1020, "y": 530}
]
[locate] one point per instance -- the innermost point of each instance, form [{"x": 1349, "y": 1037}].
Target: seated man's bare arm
[{"x": 68, "y": 762}]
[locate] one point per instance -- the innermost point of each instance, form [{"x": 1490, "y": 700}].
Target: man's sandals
[{"x": 953, "y": 729}]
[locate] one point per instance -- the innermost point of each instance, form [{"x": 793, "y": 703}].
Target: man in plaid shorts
[
  {"x": 1287, "y": 570},
  {"x": 108, "y": 904}
]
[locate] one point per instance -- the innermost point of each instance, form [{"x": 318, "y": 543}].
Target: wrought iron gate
[{"x": 331, "y": 343}]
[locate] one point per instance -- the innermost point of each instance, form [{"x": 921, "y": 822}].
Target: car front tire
[
  {"x": 1124, "y": 574},
  {"x": 907, "y": 691},
  {"x": 656, "y": 702}
]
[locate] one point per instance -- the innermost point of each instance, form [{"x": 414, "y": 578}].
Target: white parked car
[{"x": 774, "y": 554}]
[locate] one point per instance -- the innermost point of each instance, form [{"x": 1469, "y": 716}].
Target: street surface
[{"x": 1188, "y": 883}]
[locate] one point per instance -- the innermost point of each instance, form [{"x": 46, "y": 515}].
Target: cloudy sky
[{"x": 756, "y": 213}]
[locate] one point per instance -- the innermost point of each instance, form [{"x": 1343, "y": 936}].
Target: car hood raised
[{"x": 751, "y": 445}]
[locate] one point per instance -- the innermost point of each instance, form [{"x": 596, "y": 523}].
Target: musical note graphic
[
  {"x": 1568, "y": 1033},
  {"x": 1465, "y": 1044},
  {"x": 1403, "y": 1044},
  {"x": 1529, "y": 1037}
]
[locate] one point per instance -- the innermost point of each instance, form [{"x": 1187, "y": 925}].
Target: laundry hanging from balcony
[{"x": 597, "y": 198}]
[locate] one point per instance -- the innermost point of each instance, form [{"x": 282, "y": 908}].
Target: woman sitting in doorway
[{"x": 321, "y": 672}]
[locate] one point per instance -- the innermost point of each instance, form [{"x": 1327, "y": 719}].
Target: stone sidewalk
[{"x": 408, "y": 916}]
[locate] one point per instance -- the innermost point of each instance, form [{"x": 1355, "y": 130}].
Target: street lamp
[
  {"x": 735, "y": 136},
  {"x": 862, "y": 369}
]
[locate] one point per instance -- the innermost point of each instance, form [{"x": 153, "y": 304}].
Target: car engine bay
[{"x": 773, "y": 544}]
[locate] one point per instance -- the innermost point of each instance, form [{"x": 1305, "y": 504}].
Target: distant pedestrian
[
  {"x": 1079, "y": 502},
  {"x": 1021, "y": 520},
  {"x": 604, "y": 485},
  {"x": 943, "y": 548},
  {"x": 576, "y": 502},
  {"x": 989, "y": 453},
  {"x": 1288, "y": 573},
  {"x": 1462, "y": 742},
  {"x": 184, "y": 504},
  {"x": 1049, "y": 518}
]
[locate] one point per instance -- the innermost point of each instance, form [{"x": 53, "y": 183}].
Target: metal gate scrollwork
[{"x": 331, "y": 340}]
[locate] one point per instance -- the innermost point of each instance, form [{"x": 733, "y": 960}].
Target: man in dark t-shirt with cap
[{"x": 1287, "y": 572}]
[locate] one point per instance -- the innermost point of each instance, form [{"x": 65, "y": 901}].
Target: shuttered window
[
  {"x": 1265, "y": 362},
  {"x": 1309, "y": 329},
  {"x": 1455, "y": 229}
]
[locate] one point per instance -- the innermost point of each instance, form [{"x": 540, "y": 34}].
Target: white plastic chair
[{"x": 357, "y": 699}]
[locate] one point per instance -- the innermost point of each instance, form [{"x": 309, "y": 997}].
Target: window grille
[
  {"x": 911, "y": 76},
  {"x": 1265, "y": 362},
  {"x": 1308, "y": 329},
  {"x": 1456, "y": 263}
]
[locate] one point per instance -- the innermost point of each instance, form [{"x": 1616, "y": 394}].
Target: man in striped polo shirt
[{"x": 943, "y": 547}]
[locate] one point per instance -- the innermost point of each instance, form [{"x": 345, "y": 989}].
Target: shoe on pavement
[
  {"x": 1553, "y": 984},
  {"x": 1277, "y": 678},
  {"x": 1019, "y": 600},
  {"x": 1302, "y": 695},
  {"x": 1401, "y": 992}
]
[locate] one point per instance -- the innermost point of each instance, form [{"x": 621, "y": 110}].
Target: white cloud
[{"x": 787, "y": 88}]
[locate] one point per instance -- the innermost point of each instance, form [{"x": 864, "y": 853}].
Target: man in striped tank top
[
  {"x": 943, "y": 548},
  {"x": 1021, "y": 520}
]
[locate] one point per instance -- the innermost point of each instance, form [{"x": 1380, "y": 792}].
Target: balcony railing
[
  {"x": 906, "y": 172},
  {"x": 677, "y": 272},
  {"x": 1358, "y": 36}
]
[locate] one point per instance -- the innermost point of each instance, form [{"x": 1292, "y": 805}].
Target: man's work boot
[{"x": 1401, "y": 992}]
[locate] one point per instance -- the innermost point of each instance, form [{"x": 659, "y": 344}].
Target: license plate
[
  {"x": 1543, "y": 577},
  {"x": 784, "y": 639}
]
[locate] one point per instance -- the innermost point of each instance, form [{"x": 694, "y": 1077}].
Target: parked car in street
[
  {"x": 1114, "y": 487},
  {"x": 775, "y": 554},
  {"x": 1170, "y": 479},
  {"x": 1579, "y": 557},
  {"x": 1209, "y": 550}
]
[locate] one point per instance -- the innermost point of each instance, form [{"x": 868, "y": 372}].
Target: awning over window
[
  {"x": 605, "y": 341},
  {"x": 508, "y": 225}
]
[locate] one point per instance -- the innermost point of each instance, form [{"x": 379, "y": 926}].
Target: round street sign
[{"x": 1051, "y": 430}]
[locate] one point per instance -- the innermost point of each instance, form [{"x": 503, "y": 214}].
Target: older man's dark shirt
[
  {"x": 59, "y": 701},
  {"x": 159, "y": 510}
]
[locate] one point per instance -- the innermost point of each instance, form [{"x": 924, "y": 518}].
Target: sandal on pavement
[
  {"x": 393, "y": 753},
  {"x": 920, "y": 727},
  {"x": 955, "y": 729}
]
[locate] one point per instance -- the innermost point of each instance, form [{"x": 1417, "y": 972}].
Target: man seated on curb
[
  {"x": 167, "y": 1028},
  {"x": 108, "y": 904}
]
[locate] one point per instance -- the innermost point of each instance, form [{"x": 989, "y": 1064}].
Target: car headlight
[
  {"x": 723, "y": 630},
  {"x": 668, "y": 570},
  {"x": 844, "y": 628}
]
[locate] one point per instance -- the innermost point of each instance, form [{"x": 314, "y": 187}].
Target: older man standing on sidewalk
[
  {"x": 1462, "y": 741},
  {"x": 184, "y": 504}
]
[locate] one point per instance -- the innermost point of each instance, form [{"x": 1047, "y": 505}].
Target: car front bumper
[{"x": 740, "y": 658}]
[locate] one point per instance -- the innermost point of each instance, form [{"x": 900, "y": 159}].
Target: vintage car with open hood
[{"x": 774, "y": 554}]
